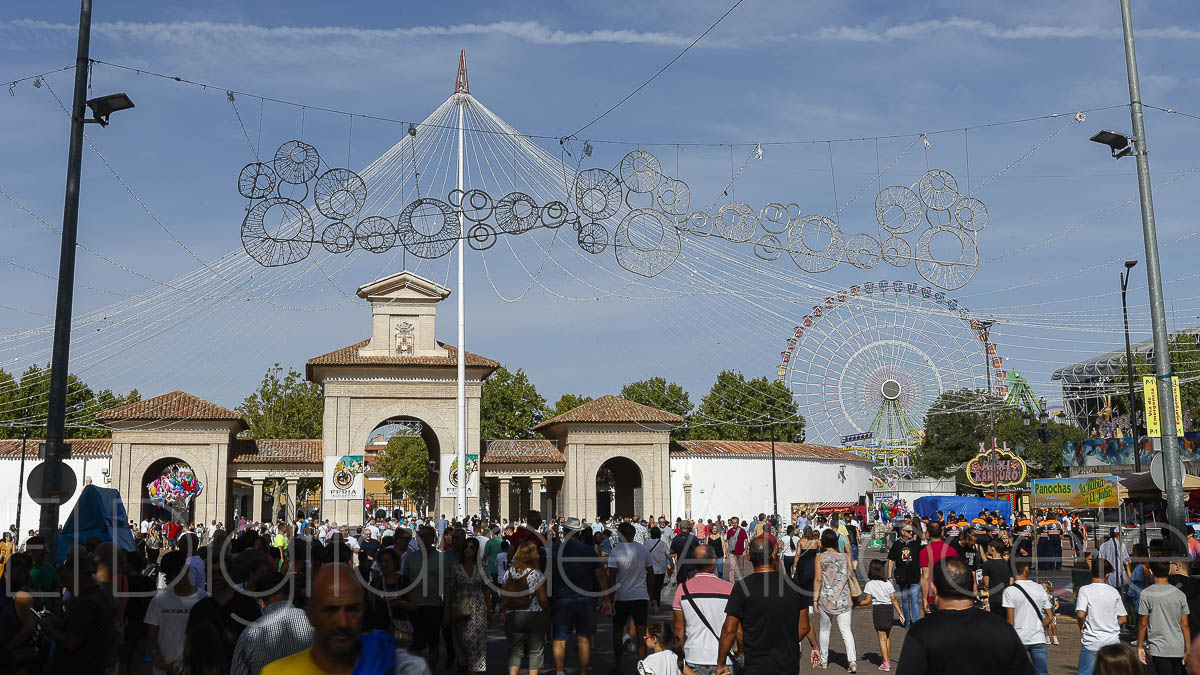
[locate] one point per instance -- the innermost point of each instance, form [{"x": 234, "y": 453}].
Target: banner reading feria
[{"x": 1075, "y": 493}]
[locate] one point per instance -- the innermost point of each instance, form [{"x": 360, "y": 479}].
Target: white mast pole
[{"x": 461, "y": 92}]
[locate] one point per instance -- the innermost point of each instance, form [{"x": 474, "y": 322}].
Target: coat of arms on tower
[{"x": 404, "y": 339}]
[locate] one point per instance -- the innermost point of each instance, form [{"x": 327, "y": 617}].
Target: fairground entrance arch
[
  {"x": 619, "y": 489},
  {"x": 169, "y": 490},
  {"x": 376, "y": 485}
]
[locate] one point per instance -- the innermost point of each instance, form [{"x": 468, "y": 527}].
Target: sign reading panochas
[
  {"x": 450, "y": 475},
  {"x": 344, "y": 476},
  {"x": 1075, "y": 493}
]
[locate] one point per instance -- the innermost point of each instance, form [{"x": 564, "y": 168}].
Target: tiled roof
[
  {"x": 276, "y": 451},
  {"x": 80, "y": 447},
  {"x": 521, "y": 451},
  {"x": 176, "y": 405},
  {"x": 348, "y": 356},
  {"x": 613, "y": 409},
  {"x": 762, "y": 449}
]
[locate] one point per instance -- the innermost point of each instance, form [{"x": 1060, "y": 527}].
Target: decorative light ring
[
  {"x": 375, "y": 234},
  {"x": 807, "y": 258},
  {"x": 636, "y": 230},
  {"x": 736, "y": 222},
  {"x": 340, "y": 193},
  {"x": 477, "y": 205},
  {"x": 699, "y": 223},
  {"x": 554, "y": 214},
  {"x": 296, "y": 162},
  {"x": 947, "y": 274},
  {"x": 641, "y": 171},
  {"x": 775, "y": 217},
  {"x": 256, "y": 180},
  {"x": 673, "y": 197},
  {"x": 938, "y": 189},
  {"x": 593, "y": 238},
  {"x": 898, "y": 209},
  {"x": 337, "y": 237},
  {"x": 428, "y": 242},
  {"x": 517, "y": 213},
  {"x": 768, "y": 247},
  {"x": 897, "y": 252},
  {"x": 481, "y": 236},
  {"x": 970, "y": 214},
  {"x": 288, "y": 242},
  {"x": 863, "y": 251},
  {"x": 597, "y": 193}
]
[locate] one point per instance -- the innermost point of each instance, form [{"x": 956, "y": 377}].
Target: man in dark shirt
[
  {"x": 681, "y": 547},
  {"x": 577, "y": 576},
  {"x": 905, "y": 561},
  {"x": 85, "y": 639},
  {"x": 935, "y": 644},
  {"x": 771, "y": 615},
  {"x": 227, "y": 609}
]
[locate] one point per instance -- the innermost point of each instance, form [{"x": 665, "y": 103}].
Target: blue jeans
[
  {"x": 720, "y": 570},
  {"x": 1087, "y": 661},
  {"x": 1037, "y": 654},
  {"x": 910, "y": 603}
]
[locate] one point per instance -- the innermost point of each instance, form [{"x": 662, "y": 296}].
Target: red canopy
[{"x": 836, "y": 507}]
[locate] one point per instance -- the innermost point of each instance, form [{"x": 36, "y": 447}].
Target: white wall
[
  {"x": 10, "y": 475},
  {"x": 741, "y": 486}
]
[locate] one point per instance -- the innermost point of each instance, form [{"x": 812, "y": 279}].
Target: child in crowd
[
  {"x": 666, "y": 651},
  {"x": 881, "y": 595},
  {"x": 1052, "y": 629}
]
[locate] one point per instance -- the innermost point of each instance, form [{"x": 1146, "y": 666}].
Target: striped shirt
[{"x": 710, "y": 595}]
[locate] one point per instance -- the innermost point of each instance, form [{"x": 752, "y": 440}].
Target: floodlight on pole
[
  {"x": 1117, "y": 142},
  {"x": 105, "y": 106}
]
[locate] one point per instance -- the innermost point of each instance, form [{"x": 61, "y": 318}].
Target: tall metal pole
[
  {"x": 1176, "y": 510},
  {"x": 461, "y": 502},
  {"x": 985, "y": 333},
  {"x": 1133, "y": 430},
  {"x": 21, "y": 485},
  {"x": 55, "y": 448},
  {"x": 774, "y": 483}
]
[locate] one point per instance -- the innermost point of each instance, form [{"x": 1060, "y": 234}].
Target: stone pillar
[
  {"x": 256, "y": 501},
  {"x": 535, "y": 493},
  {"x": 505, "y": 491},
  {"x": 291, "y": 498},
  {"x": 687, "y": 496}
]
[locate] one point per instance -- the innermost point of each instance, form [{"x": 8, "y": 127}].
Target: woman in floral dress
[
  {"x": 831, "y": 588},
  {"x": 467, "y": 611}
]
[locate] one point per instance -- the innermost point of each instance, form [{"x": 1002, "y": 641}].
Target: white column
[
  {"x": 256, "y": 501},
  {"x": 505, "y": 490},
  {"x": 291, "y": 499},
  {"x": 462, "y": 340},
  {"x": 535, "y": 493}
]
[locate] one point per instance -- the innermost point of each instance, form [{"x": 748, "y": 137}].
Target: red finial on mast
[{"x": 460, "y": 83}]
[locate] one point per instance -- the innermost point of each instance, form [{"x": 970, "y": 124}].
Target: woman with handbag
[
  {"x": 834, "y": 599},
  {"x": 524, "y": 600},
  {"x": 391, "y": 606},
  {"x": 467, "y": 607}
]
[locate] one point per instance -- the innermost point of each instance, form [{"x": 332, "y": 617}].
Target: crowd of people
[{"x": 411, "y": 595}]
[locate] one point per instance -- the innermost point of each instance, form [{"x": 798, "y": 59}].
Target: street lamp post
[
  {"x": 1044, "y": 435},
  {"x": 1132, "y": 407},
  {"x": 985, "y": 327}
]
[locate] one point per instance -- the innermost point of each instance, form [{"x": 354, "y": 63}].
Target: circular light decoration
[
  {"x": 646, "y": 242},
  {"x": 428, "y": 228},
  {"x": 897, "y": 252},
  {"x": 673, "y": 197},
  {"x": 768, "y": 247},
  {"x": 698, "y": 223},
  {"x": 296, "y": 162},
  {"x": 775, "y": 217},
  {"x": 641, "y": 171},
  {"x": 340, "y": 193},
  {"x": 476, "y": 205},
  {"x": 554, "y": 214},
  {"x": 277, "y": 231},
  {"x": 597, "y": 193},
  {"x": 736, "y": 222},
  {"x": 898, "y": 209},
  {"x": 337, "y": 237},
  {"x": 375, "y": 234},
  {"x": 938, "y": 189},
  {"x": 256, "y": 180},
  {"x": 481, "y": 236},
  {"x": 814, "y": 229},
  {"x": 517, "y": 213},
  {"x": 970, "y": 214},
  {"x": 593, "y": 238},
  {"x": 875, "y": 356},
  {"x": 863, "y": 251},
  {"x": 946, "y": 271}
]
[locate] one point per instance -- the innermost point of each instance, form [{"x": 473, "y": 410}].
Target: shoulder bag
[
  {"x": 1037, "y": 611},
  {"x": 737, "y": 663}
]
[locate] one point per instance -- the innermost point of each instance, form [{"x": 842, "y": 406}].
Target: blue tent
[
  {"x": 98, "y": 513},
  {"x": 926, "y": 507}
]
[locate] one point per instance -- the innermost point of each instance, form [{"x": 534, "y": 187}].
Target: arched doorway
[
  {"x": 618, "y": 488},
  {"x": 169, "y": 490},
  {"x": 424, "y": 442}
]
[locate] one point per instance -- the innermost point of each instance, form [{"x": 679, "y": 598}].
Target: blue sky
[{"x": 769, "y": 72}]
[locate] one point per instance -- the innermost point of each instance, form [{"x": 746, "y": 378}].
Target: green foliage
[
  {"x": 1185, "y": 361},
  {"x": 737, "y": 409},
  {"x": 656, "y": 392},
  {"x": 510, "y": 406},
  {"x": 568, "y": 402},
  {"x": 25, "y": 403},
  {"x": 284, "y": 407},
  {"x": 404, "y": 465}
]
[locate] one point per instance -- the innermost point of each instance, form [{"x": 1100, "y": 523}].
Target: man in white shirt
[
  {"x": 630, "y": 574},
  {"x": 1114, "y": 552},
  {"x": 1100, "y": 612},
  {"x": 168, "y": 612},
  {"x": 145, "y": 526},
  {"x": 1029, "y": 611}
]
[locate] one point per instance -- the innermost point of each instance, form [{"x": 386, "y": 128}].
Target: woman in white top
[
  {"x": 666, "y": 651},
  {"x": 523, "y": 595},
  {"x": 787, "y": 549}
]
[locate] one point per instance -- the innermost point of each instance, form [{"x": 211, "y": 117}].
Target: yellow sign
[
  {"x": 1075, "y": 493},
  {"x": 1178, "y": 407},
  {"x": 1001, "y": 468},
  {"x": 1150, "y": 398}
]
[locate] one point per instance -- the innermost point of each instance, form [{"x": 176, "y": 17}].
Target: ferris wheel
[{"x": 870, "y": 360}]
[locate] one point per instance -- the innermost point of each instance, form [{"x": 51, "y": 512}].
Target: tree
[
  {"x": 568, "y": 402},
  {"x": 25, "y": 404},
  {"x": 284, "y": 407},
  {"x": 656, "y": 392},
  {"x": 404, "y": 465},
  {"x": 510, "y": 406},
  {"x": 737, "y": 409},
  {"x": 1185, "y": 362}
]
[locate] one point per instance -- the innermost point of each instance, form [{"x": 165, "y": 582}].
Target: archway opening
[
  {"x": 404, "y": 471},
  {"x": 619, "y": 489},
  {"x": 169, "y": 491}
]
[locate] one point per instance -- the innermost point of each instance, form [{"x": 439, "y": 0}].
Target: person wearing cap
[
  {"x": 1113, "y": 550},
  {"x": 904, "y": 566}
]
